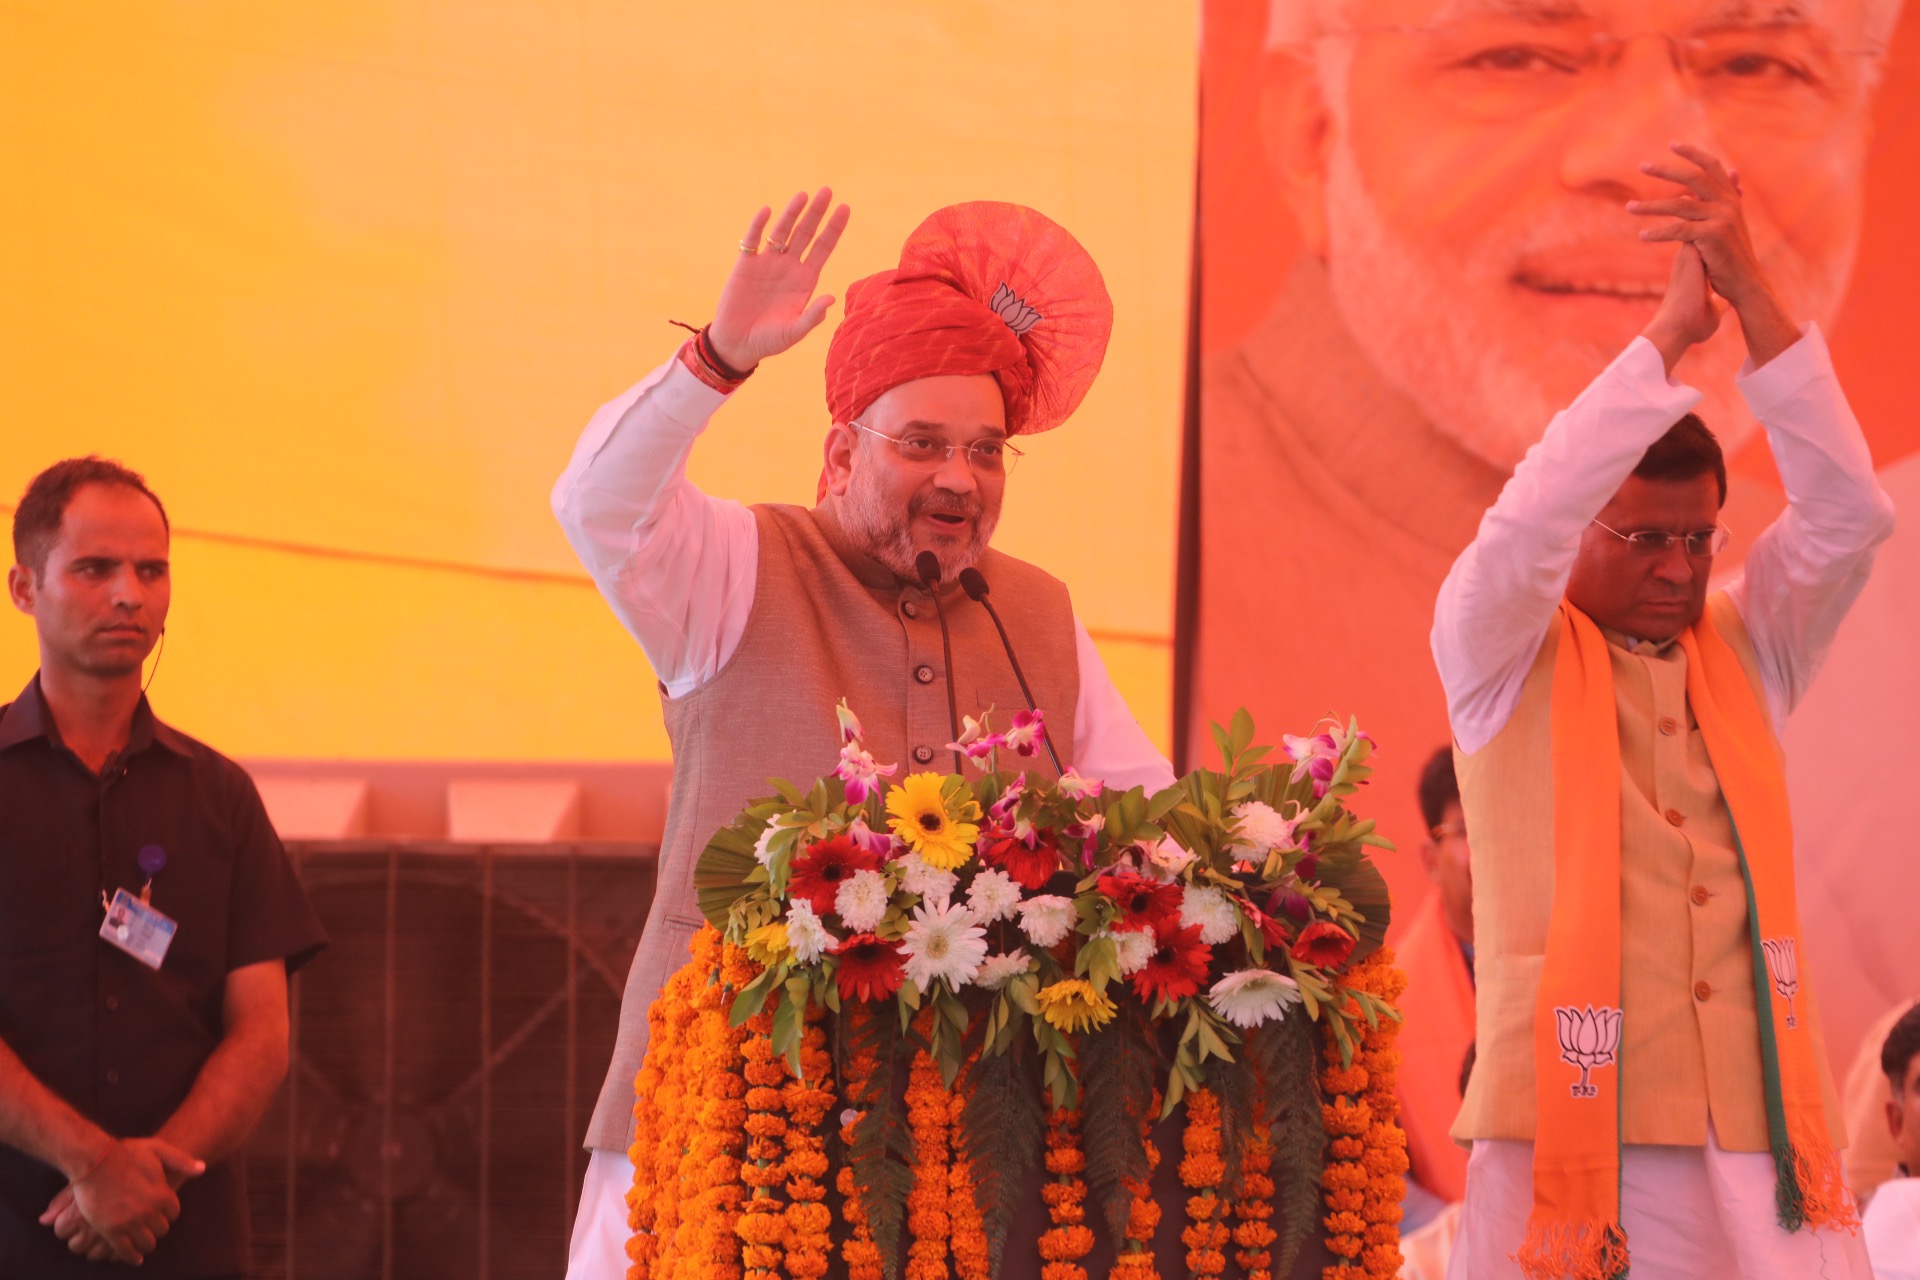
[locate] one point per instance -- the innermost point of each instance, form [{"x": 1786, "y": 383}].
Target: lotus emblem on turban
[
  {"x": 1589, "y": 1038},
  {"x": 1019, "y": 316},
  {"x": 1784, "y": 967}
]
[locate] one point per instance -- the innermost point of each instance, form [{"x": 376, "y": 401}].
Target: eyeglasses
[
  {"x": 1448, "y": 830},
  {"x": 921, "y": 452},
  {"x": 1770, "y": 77},
  {"x": 1699, "y": 544}
]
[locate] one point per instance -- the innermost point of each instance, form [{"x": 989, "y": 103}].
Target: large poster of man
[{"x": 1414, "y": 249}]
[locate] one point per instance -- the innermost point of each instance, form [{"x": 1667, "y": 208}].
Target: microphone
[
  {"x": 927, "y": 565},
  {"x": 974, "y": 583}
]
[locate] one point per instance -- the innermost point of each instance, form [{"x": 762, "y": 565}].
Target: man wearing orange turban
[{"x": 758, "y": 619}]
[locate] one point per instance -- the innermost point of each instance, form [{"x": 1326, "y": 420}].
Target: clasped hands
[{"x": 123, "y": 1205}]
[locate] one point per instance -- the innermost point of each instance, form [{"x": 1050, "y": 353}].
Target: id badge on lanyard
[{"x": 133, "y": 923}]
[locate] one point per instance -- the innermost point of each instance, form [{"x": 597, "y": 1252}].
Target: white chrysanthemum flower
[
  {"x": 1253, "y": 996},
  {"x": 1047, "y": 919},
  {"x": 1261, "y": 827},
  {"x": 1132, "y": 948},
  {"x": 943, "y": 942},
  {"x": 919, "y": 876},
  {"x": 761, "y": 853},
  {"x": 997, "y": 971},
  {"x": 1212, "y": 911},
  {"x": 805, "y": 934},
  {"x": 862, "y": 900},
  {"x": 993, "y": 896}
]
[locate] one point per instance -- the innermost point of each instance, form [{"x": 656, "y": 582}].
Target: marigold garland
[
  {"x": 927, "y": 1219},
  {"x": 1202, "y": 1170},
  {"x": 762, "y": 1227},
  {"x": 1069, "y": 1239},
  {"x": 857, "y": 1248},
  {"x": 968, "y": 1234},
  {"x": 1365, "y": 1177},
  {"x": 1136, "y": 1261},
  {"x": 1253, "y": 1206},
  {"x": 808, "y": 1102}
]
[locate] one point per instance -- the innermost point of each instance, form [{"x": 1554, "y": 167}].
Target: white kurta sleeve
[
  {"x": 1494, "y": 607},
  {"x": 676, "y": 565},
  {"x": 1109, "y": 743},
  {"x": 1808, "y": 566}
]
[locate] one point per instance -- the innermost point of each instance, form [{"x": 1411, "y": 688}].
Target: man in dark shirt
[{"x": 134, "y": 1058}]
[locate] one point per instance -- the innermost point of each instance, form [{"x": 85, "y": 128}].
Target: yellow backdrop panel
[{"x": 346, "y": 280}]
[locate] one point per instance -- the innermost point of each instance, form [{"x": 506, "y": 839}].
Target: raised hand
[
  {"x": 767, "y": 304},
  {"x": 1688, "y": 311},
  {"x": 1707, "y": 216}
]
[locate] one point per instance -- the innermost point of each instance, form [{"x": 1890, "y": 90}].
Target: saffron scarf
[{"x": 1575, "y": 1226}]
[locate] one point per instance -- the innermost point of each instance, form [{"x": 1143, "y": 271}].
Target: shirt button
[
  {"x": 1676, "y": 817},
  {"x": 909, "y": 608},
  {"x": 1701, "y": 990},
  {"x": 1700, "y": 895},
  {"x": 923, "y": 673},
  {"x": 1669, "y": 725},
  {"x": 113, "y": 1002},
  {"x": 923, "y": 754},
  {"x": 113, "y": 1077}
]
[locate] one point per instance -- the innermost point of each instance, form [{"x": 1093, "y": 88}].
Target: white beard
[{"x": 1442, "y": 329}]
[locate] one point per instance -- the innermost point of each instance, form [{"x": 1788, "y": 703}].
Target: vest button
[
  {"x": 1675, "y": 817},
  {"x": 923, "y": 754},
  {"x": 923, "y": 673},
  {"x": 909, "y": 608},
  {"x": 1700, "y": 895},
  {"x": 1669, "y": 725},
  {"x": 1701, "y": 990},
  {"x": 113, "y": 1002},
  {"x": 113, "y": 1077}
]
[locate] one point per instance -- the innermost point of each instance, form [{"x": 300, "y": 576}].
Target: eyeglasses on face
[
  {"x": 1650, "y": 543},
  {"x": 922, "y": 452}
]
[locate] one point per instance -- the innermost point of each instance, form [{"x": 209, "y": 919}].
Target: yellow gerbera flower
[
  {"x": 1074, "y": 1005},
  {"x": 933, "y": 826},
  {"x": 768, "y": 944}
]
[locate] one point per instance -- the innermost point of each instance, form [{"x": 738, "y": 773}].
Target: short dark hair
[
  {"x": 1687, "y": 450},
  {"x": 1438, "y": 787},
  {"x": 1903, "y": 1042},
  {"x": 36, "y": 521}
]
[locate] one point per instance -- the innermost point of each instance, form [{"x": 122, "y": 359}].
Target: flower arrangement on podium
[{"x": 1053, "y": 968}]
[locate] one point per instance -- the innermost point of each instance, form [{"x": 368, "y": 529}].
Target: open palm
[{"x": 768, "y": 303}]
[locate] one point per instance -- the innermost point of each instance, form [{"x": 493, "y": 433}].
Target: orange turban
[{"x": 984, "y": 287}]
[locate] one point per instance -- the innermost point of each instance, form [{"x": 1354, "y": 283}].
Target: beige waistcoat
[
  {"x": 827, "y": 623},
  {"x": 1690, "y": 1037}
]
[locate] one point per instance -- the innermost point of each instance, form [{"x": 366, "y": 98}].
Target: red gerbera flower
[
  {"x": 1143, "y": 903},
  {"x": 1177, "y": 967},
  {"x": 1029, "y": 868},
  {"x": 1325, "y": 944},
  {"x": 869, "y": 969},
  {"x": 824, "y": 867}
]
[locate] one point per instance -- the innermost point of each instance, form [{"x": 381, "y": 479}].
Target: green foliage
[
  {"x": 1003, "y": 1132},
  {"x": 881, "y": 1153},
  {"x": 1118, "y": 1066},
  {"x": 1355, "y": 877},
  {"x": 1283, "y": 1056},
  {"x": 724, "y": 874}
]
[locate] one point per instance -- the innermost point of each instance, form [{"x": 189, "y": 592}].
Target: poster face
[{"x": 1414, "y": 250}]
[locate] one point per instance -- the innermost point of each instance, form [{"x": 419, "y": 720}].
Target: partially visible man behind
[
  {"x": 1892, "y": 1221},
  {"x": 1437, "y": 953},
  {"x": 1456, "y": 171},
  {"x": 149, "y": 919}
]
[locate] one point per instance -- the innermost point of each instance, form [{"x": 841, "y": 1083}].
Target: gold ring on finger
[
  {"x": 773, "y": 247},
  {"x": 745, "y": 247}
]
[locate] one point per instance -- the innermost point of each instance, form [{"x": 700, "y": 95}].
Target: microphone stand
[{"x": 974, "y": 583}]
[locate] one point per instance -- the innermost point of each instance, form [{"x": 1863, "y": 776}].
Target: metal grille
[{"x": 447, "y": 1051}]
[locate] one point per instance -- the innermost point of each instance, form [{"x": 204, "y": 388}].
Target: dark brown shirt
[{"x": 123, "y": 1043}]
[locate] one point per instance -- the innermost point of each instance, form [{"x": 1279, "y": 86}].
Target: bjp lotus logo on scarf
[
  {"x": 1784, "y": 967},
  {"x": 1589, "y": 1038}
]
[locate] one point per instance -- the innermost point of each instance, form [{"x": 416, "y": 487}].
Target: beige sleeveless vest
[
  {"x": 1690, "y": 1038},
  {"x": 828, "y": 622}
]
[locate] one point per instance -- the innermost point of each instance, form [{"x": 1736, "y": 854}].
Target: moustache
[{"x": 944, "y": 504}]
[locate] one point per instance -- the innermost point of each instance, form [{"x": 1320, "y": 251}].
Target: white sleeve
[
  {"x": 1109, "y": 743},
  {"x": 1499, "y": 597},
  {"x": 676, "y": 565},
  {"x": 1806, "y": 568}
]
